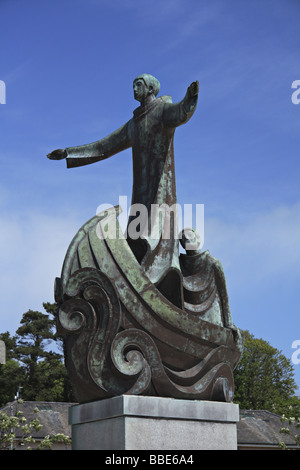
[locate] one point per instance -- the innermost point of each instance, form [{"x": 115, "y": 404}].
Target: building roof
[
  {"x": 256, "y": 428},
  {"x": 53, "y": 416},
  {"x": 259, "y": 428}
]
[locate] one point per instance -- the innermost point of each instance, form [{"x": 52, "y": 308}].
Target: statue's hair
[{"x": 150, "y": 81}]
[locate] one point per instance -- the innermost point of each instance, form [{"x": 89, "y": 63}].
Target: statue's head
[
  {"x": 190, "y": 240},
  {"x": 145, "y": 85}
]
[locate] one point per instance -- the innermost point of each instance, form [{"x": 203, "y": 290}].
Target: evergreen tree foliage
[
  {"x": 264, "y": 379},
  {"x": 31, "y": 364}
]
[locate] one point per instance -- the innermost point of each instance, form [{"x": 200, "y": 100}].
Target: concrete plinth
[{"x": 132, "y": 422}]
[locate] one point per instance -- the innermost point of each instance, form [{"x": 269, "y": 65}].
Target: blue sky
[{"x": 68, "y": 67}]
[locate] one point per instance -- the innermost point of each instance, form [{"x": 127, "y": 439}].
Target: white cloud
[
  {"x": 32, "y": 252},
  {"x": 262, "y": 248}
]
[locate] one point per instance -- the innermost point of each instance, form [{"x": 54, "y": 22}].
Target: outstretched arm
[
  {"x": 95, "y": 151},
  {"x": 179, "y": 113}
]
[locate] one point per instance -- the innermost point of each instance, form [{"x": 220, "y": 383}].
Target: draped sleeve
[
  {"x": 101, "y": 149},
  {"x": 176, "y": 114}
]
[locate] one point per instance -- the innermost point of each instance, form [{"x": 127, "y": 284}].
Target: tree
[
  {"x": 11, "y": 373},
  {"x": 33, "y": 336},
  {"x": 16, "y": 423},
  {"x": 65, "y": 382},
  {"x": 264, "y": 378},
  {"x": 30, "y": 364},
  {"x": 11, "y": 376},
  {"x": 292, "y": 426}
]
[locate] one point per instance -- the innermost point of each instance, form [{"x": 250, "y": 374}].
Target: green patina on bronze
[{"x": 138, "y": 317}]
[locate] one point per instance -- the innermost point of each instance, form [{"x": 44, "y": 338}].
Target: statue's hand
[
  {"x": 58, "y": 154},
  {"x": 193, "y": 89}
]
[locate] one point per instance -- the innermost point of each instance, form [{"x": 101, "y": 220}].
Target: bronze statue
[
  {"x": 150, "y": 133},
  {"x": 139, "y": 318}
]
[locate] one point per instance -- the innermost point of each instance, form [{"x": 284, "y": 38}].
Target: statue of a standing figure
[
  {"x": 150, "y": 133},
  {"x": 158, "y": 323}
]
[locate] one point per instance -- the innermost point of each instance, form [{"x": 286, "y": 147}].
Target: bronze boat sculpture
[{"x": 138, "y": 317}]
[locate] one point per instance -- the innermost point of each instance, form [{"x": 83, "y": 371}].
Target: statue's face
[{"x": 140, "y": 90}]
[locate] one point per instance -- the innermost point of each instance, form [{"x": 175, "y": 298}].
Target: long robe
[{"x": 150, "y": 133}]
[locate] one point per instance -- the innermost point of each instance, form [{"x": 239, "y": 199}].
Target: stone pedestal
[{"x": 132, "y": 422}]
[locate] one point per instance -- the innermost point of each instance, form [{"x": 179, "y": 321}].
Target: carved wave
[{"x": 123, "y": 337}]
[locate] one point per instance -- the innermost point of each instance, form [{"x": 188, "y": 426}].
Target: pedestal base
[{"x": 132, "y": 422}]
